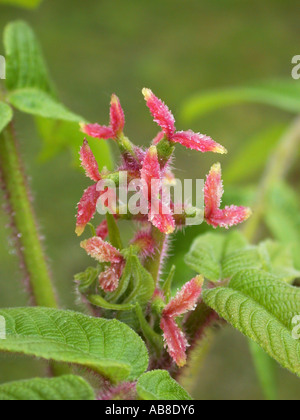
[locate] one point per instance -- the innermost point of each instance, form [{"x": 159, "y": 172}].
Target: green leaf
[
  {"x": 105, "y": 346},
  {"x": 281, "y": 299},
  {"x": 64, "y": 388},
  {"x": 28, "y": 4},
  {"x": 60, "y": 135},
  {"x": 36, "y": 102},
  {"x": 158, "y": 385},
  {"x": 87, "y": 279},
  {"x": 283, "y": 94},
  {"x": 209, "y": 251},
  {"x": 259, "y": 314},
  {"x": 253, "y": 155},
  {"x": 25, "y": 66},
  {"x": 6, "y": 115},
  {"x": 278, "y": 260}
]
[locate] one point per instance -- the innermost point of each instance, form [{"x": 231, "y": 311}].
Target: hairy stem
[
  {"x": 23, "y": 221},
  {"x": 154, "y": 264}
]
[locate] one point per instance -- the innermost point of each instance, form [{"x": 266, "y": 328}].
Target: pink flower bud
[
  {"x": 117, "y": 117},
  {"x": 98, "y": 131},
  {"x": 161, "y": 113},
  {"x": 89, "y": 163},
  {"x": 86, "y": 208},
  {"x": 186, "y": 299},
  {"x": 196, "y": 141},
  {"x": 213, "y": 193},
  {"x": 101, "y": 251},
  {"x": 175, "y": 339}
]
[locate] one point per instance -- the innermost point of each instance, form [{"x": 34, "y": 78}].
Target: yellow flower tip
[
  {"x": 221, "y": 150},
  {"x": 82, "y": 126},
  {"x": 249, "y": 213},
  {"x": 170, "y": 230},
  {"x": 199, "y": 281},
  {"x": 216, "y": 168},
  {"x": 147, "y": 93},
  {"x": 79, "y": 230},
  {"x": 181, "y": 363},
  {"x": 114, "y": 99}
]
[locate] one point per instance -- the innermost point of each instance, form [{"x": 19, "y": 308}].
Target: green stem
[
  {"x": 23, "y": 219},
  {"x": 278, "y": 167}
]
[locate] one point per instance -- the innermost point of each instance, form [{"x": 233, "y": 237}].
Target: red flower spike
[
  {"x": 98, "y": 131},
  {"x": 186, "y": 299},
  {"x": 89, "y": 163},
  {"x": 213, "y": 193},
  {"x": 165, "y": 119},
  {"x": 175, "y": 341},
  {"x": 196, "y": 141},
  {"x": 161, "y": 113},
  {"x": 159, "y": 214},
  {"x": 117, "y": 117},
  {"x": 86, "y": 208},
  {"x": 102, "y": 251},
  {"x": 102, "y": 230}
]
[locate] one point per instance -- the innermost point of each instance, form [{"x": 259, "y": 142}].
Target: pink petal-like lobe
[
  {"x": 213, "y": 190},
  {"x": 98, "y": 131},
  {"x": 196, "y": 141},
  {"x": 175, "y": 340},
  {"x": 117, "y": 117},
  {"x": 89, "y": 163},
  {"x": 86, "y": 208},
  {"x": 161, "y": 113},
  {"x": 101, "y": 251},
  {"x": 230, "y": 216},
  {"x": 186, "y": 299}
]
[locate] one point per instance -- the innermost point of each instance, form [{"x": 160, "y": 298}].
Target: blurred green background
[{"x": 176, "y": 48}]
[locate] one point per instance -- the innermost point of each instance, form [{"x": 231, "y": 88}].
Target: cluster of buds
[{"x": 146, "y": 166}]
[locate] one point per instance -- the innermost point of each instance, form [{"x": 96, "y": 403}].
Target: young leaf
[
  {"x": 278, "y": 260},
  {"x": 6, "y": 115},
  {"x": 25, "y": 66},
  {"x": 36, "y": 102},
  {"x": 210, "y": 250},
  {"x": 283, "y": 94},
  {"x": 28, "y": 4},
  {"x": 261, "y": 324},
  {"x": 63, "y": 388},
  {"x": 106, "y": 346},
  {"x": 158, "y": 385}
]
